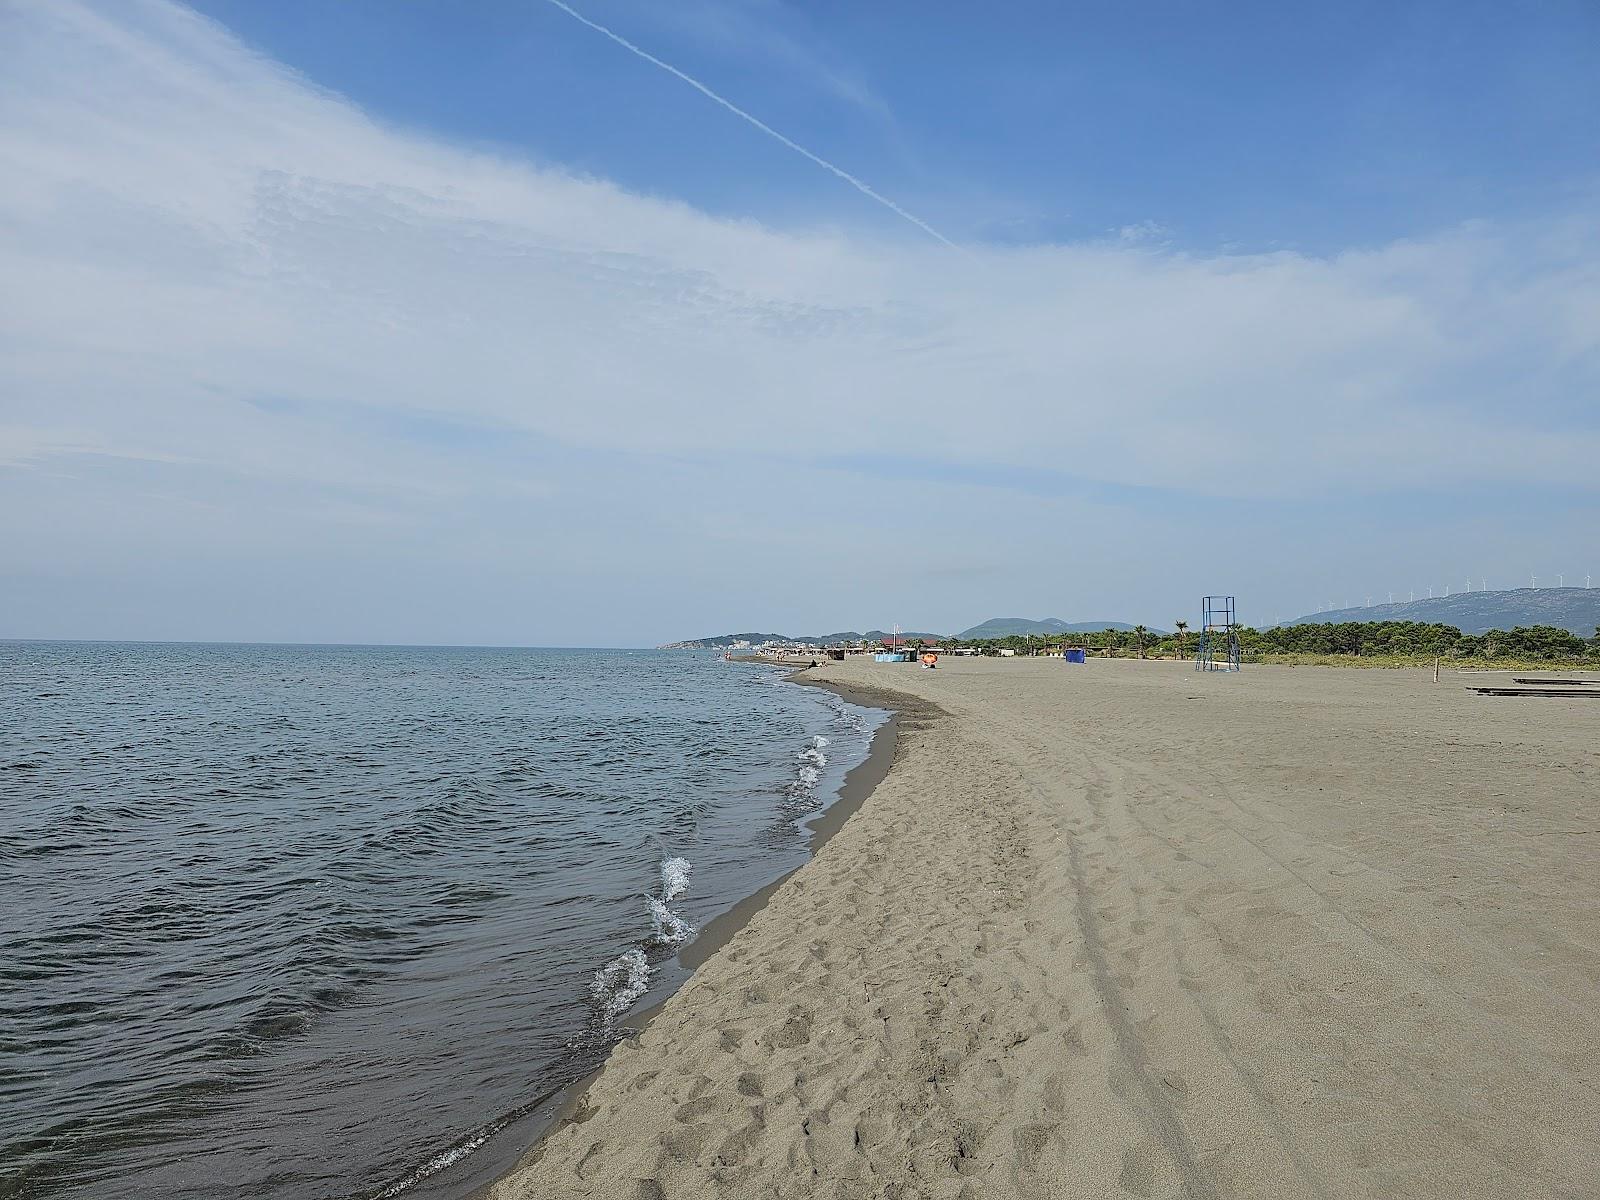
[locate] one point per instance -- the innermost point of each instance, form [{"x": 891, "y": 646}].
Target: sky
[{"x": 449, "y": 323}]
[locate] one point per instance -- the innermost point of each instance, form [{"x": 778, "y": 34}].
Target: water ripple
[{"x": 324, "y": 918}]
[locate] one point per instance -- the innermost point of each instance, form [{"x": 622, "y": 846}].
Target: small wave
[
  {"x": 808, "y": 772},
  {"x": 619, "y": 983},
  {"x": 445, "y": 1158},
  {"x": 812, "y": 756},
  {"x": 674, "y": 878},
  {"x": 847, "y": 717},
  {"x": 667, "y": 928}
]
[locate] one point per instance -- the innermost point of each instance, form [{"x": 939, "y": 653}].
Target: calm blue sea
[{"x": 313, "y": 921}]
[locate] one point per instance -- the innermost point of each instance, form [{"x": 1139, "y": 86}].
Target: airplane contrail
[{"x": 861, "y": 187}]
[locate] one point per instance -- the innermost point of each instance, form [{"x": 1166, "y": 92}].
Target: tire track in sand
[{"x": 1155, "y": 1111}]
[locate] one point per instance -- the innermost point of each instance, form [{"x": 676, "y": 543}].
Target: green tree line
[
  {"x": 1368, "y": 638},
  {"x": 1365, "y": 639}
]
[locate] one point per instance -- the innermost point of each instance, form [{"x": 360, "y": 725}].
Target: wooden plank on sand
[{"x": 1534, "y": 691}]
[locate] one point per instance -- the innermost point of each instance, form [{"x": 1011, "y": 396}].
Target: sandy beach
[{"x": 1121, "y": 929}]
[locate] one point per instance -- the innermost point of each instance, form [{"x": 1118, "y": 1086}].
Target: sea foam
[
  {"x": 619, "y": 983},
  {"x": 674, "y": 877},
  {"x": 667, "y": 928},
  {"x": 808, "y": 772},
  {"x": 446, "y": 1158}
]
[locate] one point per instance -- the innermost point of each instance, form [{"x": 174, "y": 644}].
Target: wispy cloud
[
  {"x": 764, "y": 32},
  {"x": 724, "y": 102},
  {"x": 496, "y": 361}
]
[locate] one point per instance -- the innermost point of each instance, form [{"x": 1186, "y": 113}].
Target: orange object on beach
[{"x": 930, "y": 660}]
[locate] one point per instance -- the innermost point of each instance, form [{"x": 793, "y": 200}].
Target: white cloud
[{"x": 212, "y": 265}]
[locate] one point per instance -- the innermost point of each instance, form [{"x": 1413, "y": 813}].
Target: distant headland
[{"x": 994, "y": 627}]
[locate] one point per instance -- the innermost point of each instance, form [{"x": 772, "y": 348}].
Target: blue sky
[
  {"x": 443, "y": 322},
  {"x": 1256, "y": 126}
]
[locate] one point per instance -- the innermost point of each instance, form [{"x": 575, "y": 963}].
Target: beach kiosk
[{"x": 1076, "y": 654}]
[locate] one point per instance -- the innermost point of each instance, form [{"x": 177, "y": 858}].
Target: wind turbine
[
  {"x": 1533, "y": 581},
  {"x": 1391, "y": 597},
  {"x": 1430, "y": 591},
  {"x": 1561, "y": 580}
]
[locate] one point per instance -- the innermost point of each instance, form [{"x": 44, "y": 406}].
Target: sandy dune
[{"x": 1123, "y": 930}]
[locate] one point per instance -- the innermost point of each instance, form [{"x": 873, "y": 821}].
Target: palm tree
[
  {"x": 1110, "y": 642},
  {"x": 1138, "y": 638},
  {"x": 1183, "y": 628}
]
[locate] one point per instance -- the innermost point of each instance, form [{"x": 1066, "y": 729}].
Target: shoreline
[
  {"x": 1122, "y": 930},
  {"x": 857, "y": 785},
  {"x": 551, "y": 1112}
]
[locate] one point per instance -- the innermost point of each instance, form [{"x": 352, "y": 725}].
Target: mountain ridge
[
  {"x": 724, "y": 640},
  {"x": 1575, "y": 609},
  {"x": 994, "y": 627}
]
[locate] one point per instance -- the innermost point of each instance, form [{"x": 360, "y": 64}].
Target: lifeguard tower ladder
[{"x": 1219, "y": 635}]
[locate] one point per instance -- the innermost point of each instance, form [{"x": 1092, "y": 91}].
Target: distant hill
[
  {"x": 999, "y": 627},
  {"x": 723, "y": 641},
  {"x": 995, "y": 627},
  {"x": 1576, "y": 610}
]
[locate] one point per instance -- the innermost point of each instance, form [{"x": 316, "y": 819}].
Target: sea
[{"x": 313, "y": 922}]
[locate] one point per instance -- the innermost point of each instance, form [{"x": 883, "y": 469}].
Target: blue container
[{"x": 1077, "y": 655}]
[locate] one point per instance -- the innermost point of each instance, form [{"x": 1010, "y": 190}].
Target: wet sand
[
  {"x": 512, "y": 1144},
  {"x": 1123, "y": 930}
]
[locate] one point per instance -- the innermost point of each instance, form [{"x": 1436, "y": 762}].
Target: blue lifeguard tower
[{"x": 1219, "y": 635}]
